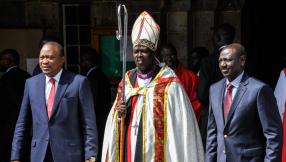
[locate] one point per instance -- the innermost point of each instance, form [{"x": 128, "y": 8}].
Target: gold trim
[
  {"x": 144, "y": 106},
  {"x": 116, "y": 138},
  {"x": 165, "y": 118},
  {"x": 114, "y": 105}
]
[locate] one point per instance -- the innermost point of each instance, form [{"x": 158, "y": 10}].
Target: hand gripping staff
[{"x": 118, "y": 36}]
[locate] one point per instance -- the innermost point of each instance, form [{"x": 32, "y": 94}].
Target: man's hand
[{"x": 121, "y": 108}]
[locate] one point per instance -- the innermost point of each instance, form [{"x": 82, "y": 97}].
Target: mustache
[{"x": 140, "y": 59}]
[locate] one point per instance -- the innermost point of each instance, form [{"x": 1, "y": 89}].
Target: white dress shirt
[
  {"x": 90, "y": 70},
  {"x": 222, "y": 47},
  {"x": 280, "y": 94},
  {"x": 49, "y": 84},
  {"x": 137, "y": 116},
  {"x": 235, "y": 84},
  {"x": 10, "y": 68}
]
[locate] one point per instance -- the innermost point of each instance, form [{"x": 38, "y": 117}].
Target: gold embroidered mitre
[{"x": 145, "y": 31}]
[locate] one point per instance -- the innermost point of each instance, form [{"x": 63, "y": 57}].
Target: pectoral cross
[{"x": 135, "y": 126}]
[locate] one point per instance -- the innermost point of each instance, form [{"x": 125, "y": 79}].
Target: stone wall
[{"x": 185, "y": 23}]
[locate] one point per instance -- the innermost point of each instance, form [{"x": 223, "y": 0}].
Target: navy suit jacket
[
  {"x": 253, "y": 129},
  {"x": 71, "y": 130}
]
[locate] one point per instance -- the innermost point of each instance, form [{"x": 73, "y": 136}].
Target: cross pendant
[{"x": 135, "y": 126}]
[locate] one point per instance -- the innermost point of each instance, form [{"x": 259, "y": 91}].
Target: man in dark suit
[
  {"x": 210, "y": 72},
  {"x": 244, "y": 122},
  {"x": 100, "y": 89},
  {"x": 12, "y": 85},
  {"x": 59, "y": 105}
]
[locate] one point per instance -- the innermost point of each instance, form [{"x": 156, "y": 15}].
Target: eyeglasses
[{"x": 168, "y": 57}]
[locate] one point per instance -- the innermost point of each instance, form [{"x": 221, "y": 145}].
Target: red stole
[
  {"x": 134, "y": 100},
  {"x": 284, "y": 133}
]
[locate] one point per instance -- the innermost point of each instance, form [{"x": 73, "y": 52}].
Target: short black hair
[
  {"x": 201, "y": 51},
  {"x": 60, "y": 47},
  {"x": 46, "y": 39},
  {"x": 227, "y": 32},
  {"x": 14, "y": 53},
  {"x": 92, "y": 54},
  {"x": 171, "y": 46}
]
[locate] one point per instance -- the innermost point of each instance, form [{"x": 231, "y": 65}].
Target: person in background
[
  {"x": 210, "y": 72},
  {"x": 100, "y": 88},
  {"x": 168, "y": 54},
  {"x": 12, "y": 85},
  {"x": 195, "y": 57},
  {"x": 280, "y": 95}
]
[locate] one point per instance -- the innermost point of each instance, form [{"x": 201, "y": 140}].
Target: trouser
[{"x": 49, "y": 155}]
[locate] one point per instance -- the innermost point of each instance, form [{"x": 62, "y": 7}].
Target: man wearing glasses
[{"x": 189, "y": 79}]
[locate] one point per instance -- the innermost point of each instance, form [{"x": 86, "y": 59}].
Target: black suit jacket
[
  {"x": 209, "y": 74},
  {"x": 100, "y": 88},
  {"x": 12, "y": 86}
]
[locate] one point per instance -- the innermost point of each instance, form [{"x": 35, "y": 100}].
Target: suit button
[
  {"x": 225, "y": 136},
  {"x": 47, "y": 139},
  {"x": 50, "y": 124},
  {"x": 224, "y": 152}
]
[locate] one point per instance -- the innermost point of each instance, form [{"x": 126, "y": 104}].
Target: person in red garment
[
  {"x": 280, "y": 95},
  {"x": 189, "y": 79}
]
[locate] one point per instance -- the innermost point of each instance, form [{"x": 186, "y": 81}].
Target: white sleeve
[{"x": 280, "y": 93}]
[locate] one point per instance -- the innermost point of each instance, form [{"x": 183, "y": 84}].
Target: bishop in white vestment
[{"x": 160, "y": 124}]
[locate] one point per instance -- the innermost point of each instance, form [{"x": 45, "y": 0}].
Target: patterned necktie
[
  {"x": 51, "y": 98},
  {"x": 227, "y": 100}
]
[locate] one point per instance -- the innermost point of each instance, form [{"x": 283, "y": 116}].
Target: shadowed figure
[
  {"x": 100, "y": 88},
  {"x": 12, "y": 85},
  {"x": 210, "y": 72},
  {"x": 195, "y": 57}
]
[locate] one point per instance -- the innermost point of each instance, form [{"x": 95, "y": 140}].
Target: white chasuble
[{"x": 170, "y": 130}]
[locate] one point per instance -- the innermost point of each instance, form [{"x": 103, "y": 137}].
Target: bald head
[
  {"x": 232, "y": 61},
  {"x": 223, "y": 35},
  {"x": 9, "y": 58}
]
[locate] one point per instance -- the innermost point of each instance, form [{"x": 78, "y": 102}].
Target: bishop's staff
[{"x": 118, "y": 36}]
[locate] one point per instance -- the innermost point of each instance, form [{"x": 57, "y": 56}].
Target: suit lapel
[
  {"x": 41, "y": 86},
  {"x": 221, "y": 91},
  {"x": 238, "y": 96},
  {"x": 62, "y": 86}
]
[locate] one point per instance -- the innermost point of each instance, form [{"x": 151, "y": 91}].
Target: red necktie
[
  {"x": 51, "y": 98},
  {"x": 227, "y": 100}
]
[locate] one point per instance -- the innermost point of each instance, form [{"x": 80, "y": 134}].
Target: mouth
[
  {"x": 46, "y": 68},
  {"x": 140, "y": 61},
  {"x": 224, "y": 70}
]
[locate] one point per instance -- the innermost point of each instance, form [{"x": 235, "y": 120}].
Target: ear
[
  {"x": 242, "y": 60},
  {"x": 62, "y": 60},
  {"x": 8, "y": 61}
]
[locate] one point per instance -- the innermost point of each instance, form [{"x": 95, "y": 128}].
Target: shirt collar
[
  {"x": 236, "y": 81},
  {"x": 90, "y": 70},
  {"x": 146, "y": 76},
  {"x": 11, "y": 68},
  {"x": 222, "y": 47},
  {"x": 57, "y": 77}
]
